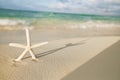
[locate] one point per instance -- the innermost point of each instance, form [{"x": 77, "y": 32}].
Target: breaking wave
[{"x": 8, "y": 22}]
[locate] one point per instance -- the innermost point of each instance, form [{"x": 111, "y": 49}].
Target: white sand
[{"x": 56, "y": 60}]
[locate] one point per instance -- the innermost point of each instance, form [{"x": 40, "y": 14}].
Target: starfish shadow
[{"x": 55, "y": 50}]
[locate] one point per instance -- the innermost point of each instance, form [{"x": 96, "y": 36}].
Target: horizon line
[{"x": 29, "y": 10}]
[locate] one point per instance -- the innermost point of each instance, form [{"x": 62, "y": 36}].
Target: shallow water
[{"x": 52, "y": 20}]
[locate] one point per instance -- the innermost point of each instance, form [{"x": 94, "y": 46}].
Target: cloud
[
  {"x": 72, "y": 6},
  {"x": 58, "y": 5},
  {"x": 92, "y": 6}
]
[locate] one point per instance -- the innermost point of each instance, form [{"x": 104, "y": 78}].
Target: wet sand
[{"x": 56, "y": 60}]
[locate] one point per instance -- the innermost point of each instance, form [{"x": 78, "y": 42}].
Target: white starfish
[{"x": 27, "y": 48}]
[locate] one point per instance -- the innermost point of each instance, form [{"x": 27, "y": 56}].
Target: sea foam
[
  {"x": 95, "y": 24},
  {"x": 10, "y": 22}
]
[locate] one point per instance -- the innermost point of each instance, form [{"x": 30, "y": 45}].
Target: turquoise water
[{"x": 16, "y": 18}]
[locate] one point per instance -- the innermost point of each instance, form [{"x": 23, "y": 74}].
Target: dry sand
[
  {"x": 104, "y": 66},
  {"x": 56, "y": 60}
]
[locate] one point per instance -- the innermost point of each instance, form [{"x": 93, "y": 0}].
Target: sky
[{"x": 103, "y": 7}]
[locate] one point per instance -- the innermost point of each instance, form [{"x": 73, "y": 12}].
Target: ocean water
[{"x": 51, "y": 20}]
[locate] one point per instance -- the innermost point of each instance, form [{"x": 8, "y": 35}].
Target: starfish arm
[
  {"x": 22, "y": 55},
  {"x": 39, "y": 44},
  {"x": 32, "y": 54},
  {"x": 17, "y": 45},
  {"x": 27, "y": 36}
]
